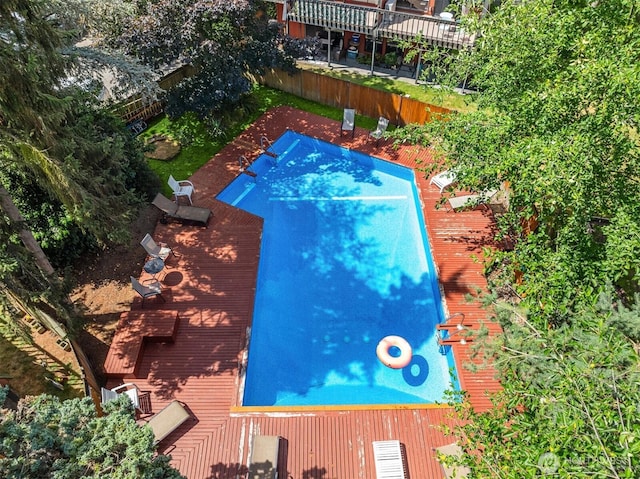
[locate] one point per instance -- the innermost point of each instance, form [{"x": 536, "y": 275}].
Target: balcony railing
[{"x": 378, "y": 23}]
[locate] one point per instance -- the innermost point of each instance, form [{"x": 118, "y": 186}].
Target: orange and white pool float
[{"x": 394, "y": 362}]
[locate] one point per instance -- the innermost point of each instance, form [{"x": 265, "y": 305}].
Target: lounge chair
[
  {"x": 140, "y": 400},
  {"x": 181, "y": 188},
  {"x": 264, "y": 457},
  {"x": 388, "y": 459},
  {"x": 444, "y": 179},
  {"x": 152, "y": 288},
  {"x": 348, "y": 121},
  {"x": 168, "y": 420},
  {"x": 469, "y": 201},
  {"x": 156, "y": 250},
  {"x": 451, "y": 471},
  {"x": 378, "y": 133},
  {"x": 186, "y": 214}
]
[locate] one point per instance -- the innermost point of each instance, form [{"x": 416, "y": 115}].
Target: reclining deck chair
[
  {"x": 470, "y": 201},
  {"x": 264, "y": 457},
  {"x": 348, "y": 121},
  {"x": 378, "y": 133},
  {"x": 186, "y": 214},
  {"x": 170, "y": 418},
  {"x": 450, "y": 471},
  {"x": 389, "y": 460}
]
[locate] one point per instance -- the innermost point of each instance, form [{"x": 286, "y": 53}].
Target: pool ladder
[
  {"x": 244, "y": 167},
  {"x": 265, "y": 144},
  {"x": 454, "y": 332}
]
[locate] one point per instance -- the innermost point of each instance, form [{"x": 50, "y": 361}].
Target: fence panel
[
  {"x": 343, "y": 94},
  {"x": 313, "y": 86},
  {"x": 325, "y": 90}
]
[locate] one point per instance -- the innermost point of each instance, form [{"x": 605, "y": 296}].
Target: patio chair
[
  {"x": 181, "y": 188},
  {"x": 348, "y": 121},
  {"x": 140, "y": 400},
  {"x": 387, "y": 456},
  {"x": 378, "y": 133},
  {"x": 170, "y": 418},
  {"x": 451, "y": 471},
  {"x": 470, "y": 201},
  {"x": 264, "y": 457},
  {"x": 184, "y": 213},
  {"x": 156, "y": 250},
  {"x": 443, "y": 179},
  {"x": 153, "y": 288}
]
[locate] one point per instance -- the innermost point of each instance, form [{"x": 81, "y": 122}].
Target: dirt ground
[{"x": 103, "y": 288}]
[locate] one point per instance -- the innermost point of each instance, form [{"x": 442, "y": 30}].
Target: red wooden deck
[{"x": 211, "y": 285}]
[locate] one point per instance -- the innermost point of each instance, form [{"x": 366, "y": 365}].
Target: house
[{"x": 368, "y": 29}]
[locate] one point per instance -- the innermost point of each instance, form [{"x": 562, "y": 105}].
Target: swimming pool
[{"x": 344, "y": 262}]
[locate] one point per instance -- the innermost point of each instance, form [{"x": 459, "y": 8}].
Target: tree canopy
[
  {"x": 557, "y": 129},
  {"x": 46, "y": 437},
  {"x": 57, "y": 146},
  {"x": 225, "y": 42}
]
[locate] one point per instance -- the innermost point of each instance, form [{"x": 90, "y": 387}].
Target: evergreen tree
[{"x": 46, "y": 437}]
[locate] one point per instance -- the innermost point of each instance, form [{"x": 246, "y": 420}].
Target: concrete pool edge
[{"x": 239, "y": 410}]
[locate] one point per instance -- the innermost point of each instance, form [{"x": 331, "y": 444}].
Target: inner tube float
[{"x": 394, "y": 362}]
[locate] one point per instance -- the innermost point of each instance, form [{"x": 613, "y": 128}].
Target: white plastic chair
[
  {"x": 348, "y": 121},
  {"x": 378, "y": 133},
  {"x": 154, "y": 249},
  {"x": 141, "y": 401},
  {"x": 181, "y": 188},
  {"x": 444, "y": 179}
]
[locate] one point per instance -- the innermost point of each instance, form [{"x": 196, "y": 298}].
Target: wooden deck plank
[{"x": 211, "y": 285}]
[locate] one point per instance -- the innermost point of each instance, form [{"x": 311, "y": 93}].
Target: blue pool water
[{"x": 344, "y": 262}]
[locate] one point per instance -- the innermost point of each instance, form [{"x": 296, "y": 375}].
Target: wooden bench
[{"x": 134, "y": 329}]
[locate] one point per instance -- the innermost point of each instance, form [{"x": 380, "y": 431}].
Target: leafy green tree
[
  {"x": 557, "y": 129},
  {"x": 557, "y": 125},
  {"x": 70, "y": 174},
  {"x": 46, "y": 437},
  {"x": 569, "y": 407},
  {"x": 226, "y": 42}
]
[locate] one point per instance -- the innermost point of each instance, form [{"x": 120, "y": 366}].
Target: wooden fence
[
  {"x": 138, "y": 108},
  {"x": 399, "y": 109}
]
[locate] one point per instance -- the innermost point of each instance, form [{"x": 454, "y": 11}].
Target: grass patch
[
  {"x": 198, "y": 146},
  {"x": 24, "y": 375}
]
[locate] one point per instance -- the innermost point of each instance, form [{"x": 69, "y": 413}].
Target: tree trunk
[
  {"x": 7, "y": 204},
  {"x": 25, "y": 234}
]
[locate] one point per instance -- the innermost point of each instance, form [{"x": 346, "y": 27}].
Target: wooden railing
[
  {"x": 138, "y": 108},
  {"x": 379, "y": 23}
]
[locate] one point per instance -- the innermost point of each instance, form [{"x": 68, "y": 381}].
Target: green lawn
[{"x": 198, "y": 146}]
